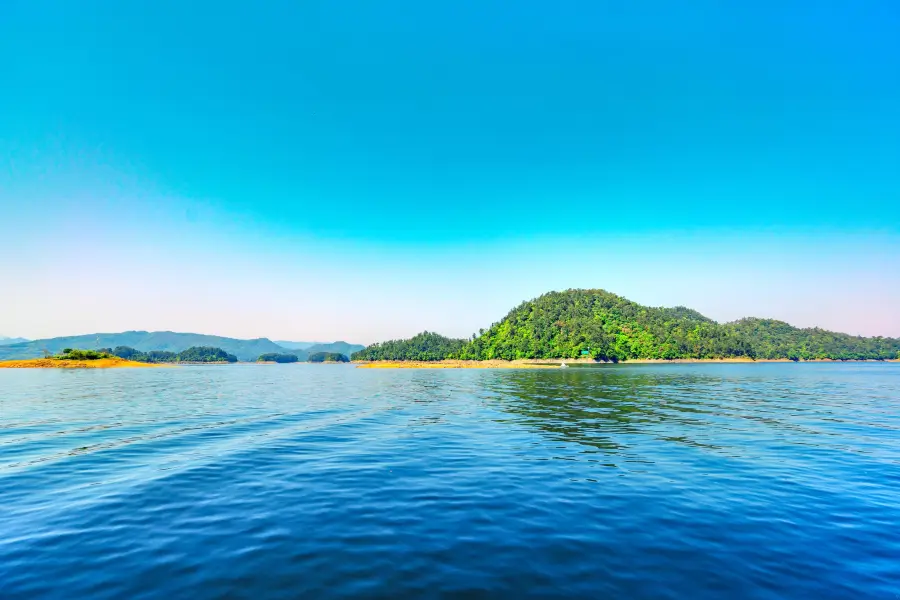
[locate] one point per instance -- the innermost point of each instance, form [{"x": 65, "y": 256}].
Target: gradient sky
[{"x": 365, "y": 170}]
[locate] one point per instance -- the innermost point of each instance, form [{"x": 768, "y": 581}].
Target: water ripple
[{"x": 700, "y": 481}]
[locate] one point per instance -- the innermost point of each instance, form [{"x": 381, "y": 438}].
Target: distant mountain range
[
  {"x": 296, "y": 345},
  {"x": 145, "y": 341},
  {"x": 335, "y": 348},
  {"x": 5, "y": 341},
  {"x": 313, "y": 347}
]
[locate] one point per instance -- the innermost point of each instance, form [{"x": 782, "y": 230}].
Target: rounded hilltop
[{"x": 597, "y": 326}]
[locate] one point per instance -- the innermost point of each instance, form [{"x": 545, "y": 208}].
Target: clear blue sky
[{"x": 366, "y": 170}]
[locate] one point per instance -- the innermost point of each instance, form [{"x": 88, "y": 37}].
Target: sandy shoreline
[
  {"x": 52, "y": 363},
  {"x": 554, "y": 363}
]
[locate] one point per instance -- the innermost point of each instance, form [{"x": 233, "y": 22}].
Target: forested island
[
  {"x": 426, "y": 346},
  {"x": 194, "y": 354},
  {"x": 278, "y": 358},
  {"x": 599, "y": 325},
  {"x": 328, "y": 357}
]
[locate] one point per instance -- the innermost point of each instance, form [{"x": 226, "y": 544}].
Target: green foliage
[
  {"x": 426, "y": 346},
  {"x": 777, "y": 339},
  {"x": 197, "y": 354},
  {"x": 278, "y": 358},
  {"x": 318, "y": 357},
  {"x": 205, "y": 354},
  {"x": 604, "y": 326},
  {"x": 75, "y": 354}
]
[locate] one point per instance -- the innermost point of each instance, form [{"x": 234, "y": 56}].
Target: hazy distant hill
[
  {"x": 247, "y": 350},
  {"x": 5, "y": 341},
  {"x": 312, "y": 347},
  {"x": 296, "y": 345},
  {"x": 335, "y": 348}
]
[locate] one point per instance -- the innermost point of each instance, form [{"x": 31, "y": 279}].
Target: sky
[{"x": 367, "y": 170}]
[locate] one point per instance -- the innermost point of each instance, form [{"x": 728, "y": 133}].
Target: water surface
[{"x": 640, "y": 481}]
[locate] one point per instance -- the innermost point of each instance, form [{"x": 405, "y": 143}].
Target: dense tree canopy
[
  {"x": 600, "y": 325},
  {"x": 777, "y": 339},
  {"x": 198, "y": 354},
  {"x": 604, "y": 326},
  {"x": 278, "y": 358},
  {"x": 76, "y": 354},
  {"x": 426, "y": 346},
  {"x": 318, "y": 357}
]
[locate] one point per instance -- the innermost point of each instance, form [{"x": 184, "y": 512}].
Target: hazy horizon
[
  {"x": 276, "y": 338},
  {"x": 312, "y": 172}
]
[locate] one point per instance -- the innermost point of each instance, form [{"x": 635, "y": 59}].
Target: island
[
  {"x": 596, "y": 326},
  {"x": 274, "y": 357},
  {"x": 327, "y": 357},
  {"x": 192, "y": 355}
]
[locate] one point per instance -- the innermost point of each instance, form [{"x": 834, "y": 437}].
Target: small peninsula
[
  {"x": 74, "y": 359},
  {"x": 71, "y": 358}
]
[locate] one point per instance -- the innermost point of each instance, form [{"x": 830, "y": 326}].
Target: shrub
[{"x": 75, "y": 354}]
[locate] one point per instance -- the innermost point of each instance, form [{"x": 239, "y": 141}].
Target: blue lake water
[{"x": 284, "y": 481}]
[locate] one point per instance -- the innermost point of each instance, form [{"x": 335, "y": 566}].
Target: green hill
[
  {"x": 194, "y": 354},
  {"x": 777, "y": 339},
  {"x": 426, "y": 346},
  {"x": 603, "y": 326},
  {"x": 167, "y": 341},
  {"x": 321, "y": 357},
  {"x": 277, "y": 358}
]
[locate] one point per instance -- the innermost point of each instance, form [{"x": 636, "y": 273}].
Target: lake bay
[{"x": 279, "y": 481}]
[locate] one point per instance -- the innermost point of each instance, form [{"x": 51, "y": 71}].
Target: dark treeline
[
  {"x": 76, "y": 354},
  {"x": 318, "y": 357},
  {"x": 600, "y": 325},
  {"x": 278, "y": 358},
  {"x": 196, "y": 354},
  {"x": 426, "y": 346}
]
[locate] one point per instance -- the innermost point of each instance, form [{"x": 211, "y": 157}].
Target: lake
[{"x": 284, "y": 481}]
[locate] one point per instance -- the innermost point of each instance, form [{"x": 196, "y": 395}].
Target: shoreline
[
  {"x": 554, "y": 363},
  {"x": 54, "y": 363}
]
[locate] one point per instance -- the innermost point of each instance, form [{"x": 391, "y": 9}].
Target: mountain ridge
[
  {"x": 168, "y": 341},
  {"x": 141, "y": 340}
]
